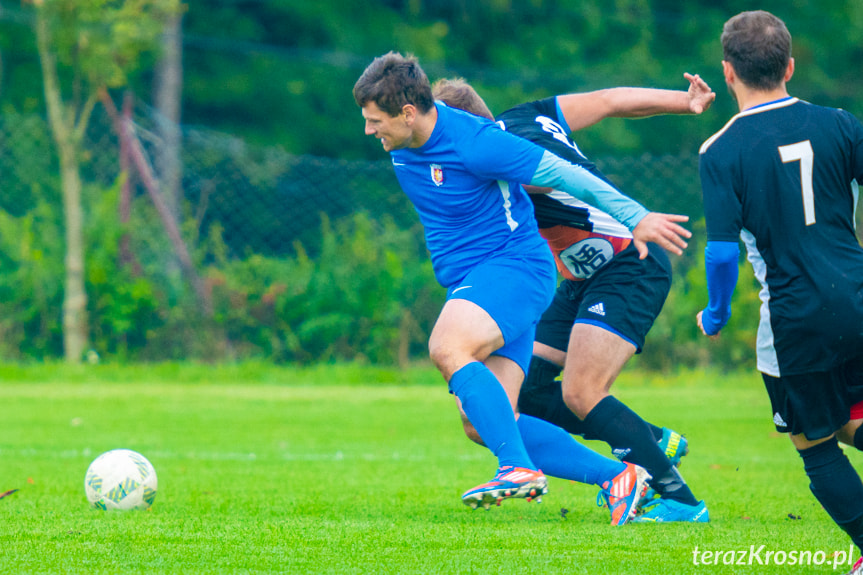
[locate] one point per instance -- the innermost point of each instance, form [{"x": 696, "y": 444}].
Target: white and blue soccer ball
[{"x": 121, "y": 479}]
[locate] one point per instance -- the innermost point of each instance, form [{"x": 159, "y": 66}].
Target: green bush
[
  {"x": 31, "y": 283},
  {"x": 122, "y": 306},
  {"x": 369, "y": 296}
]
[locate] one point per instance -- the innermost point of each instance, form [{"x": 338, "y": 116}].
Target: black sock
[
  {"x": 541, "y": 396},
  {"x": 620, "y": 427},
  {"x": 836, "y": 485},
  {"x": 657, "y": 431},
  {"x": 858, "y": 438},
  {"x": 671, "y": 485}
]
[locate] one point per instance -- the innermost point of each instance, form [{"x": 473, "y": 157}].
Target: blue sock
[
  {"x": 487, "y": 406},
  {"x": 558, "y": 454}
]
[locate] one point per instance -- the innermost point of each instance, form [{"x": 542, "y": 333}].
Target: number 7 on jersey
[{"x": 802, "y": 152}]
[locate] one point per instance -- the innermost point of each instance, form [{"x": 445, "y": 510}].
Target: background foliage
[
  {"x": 292, "y": 215},
  {"x": 281, "y": 71}
]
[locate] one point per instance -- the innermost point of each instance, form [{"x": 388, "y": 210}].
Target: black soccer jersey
[
  {"x": 582, "y": 237},
  {"x": 783, "y": 177}
]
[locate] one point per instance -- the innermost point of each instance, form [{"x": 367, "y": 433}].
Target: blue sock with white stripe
[
  {"x": 558, "y": 454},
  {"x": 487, "y": 406}
]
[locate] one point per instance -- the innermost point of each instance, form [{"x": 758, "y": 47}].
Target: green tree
[{"x": 86, "y": 46}]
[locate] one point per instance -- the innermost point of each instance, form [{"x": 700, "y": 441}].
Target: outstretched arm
[
  {"x": 646, "y": 226},
  {"x": 586, "y": 109}
]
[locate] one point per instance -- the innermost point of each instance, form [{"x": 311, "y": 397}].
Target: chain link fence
[
  {"x": 237, "y": 202},
  {"x": 264, "y": 199}
]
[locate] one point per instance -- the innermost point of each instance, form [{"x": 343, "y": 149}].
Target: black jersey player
[{"x": 782, "y": 176}]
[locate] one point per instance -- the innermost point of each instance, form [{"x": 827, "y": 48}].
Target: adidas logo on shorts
[
  {"x": 778, "y": 421},
  {"x": 621, "y": 452},
  {"x": 597, "y": 308}
]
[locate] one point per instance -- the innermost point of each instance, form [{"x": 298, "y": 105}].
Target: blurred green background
[
  {"x": 280, "y": 72},
  {"x": 282, "y": 234}
]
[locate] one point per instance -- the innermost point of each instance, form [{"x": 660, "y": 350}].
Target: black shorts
[
  {"x": 624, "y": 297},
  {"x": 815, "y": 404}
]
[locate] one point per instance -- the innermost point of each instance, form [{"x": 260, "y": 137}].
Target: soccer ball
[{"x": 120, "y": 479}]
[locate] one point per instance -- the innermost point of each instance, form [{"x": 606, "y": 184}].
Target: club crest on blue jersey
[{"x": 436, "y": 174}]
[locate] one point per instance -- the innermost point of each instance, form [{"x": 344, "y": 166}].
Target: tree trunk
[
  {"x": 75, "y": 324},
  {"x": 169, "y": 87}
]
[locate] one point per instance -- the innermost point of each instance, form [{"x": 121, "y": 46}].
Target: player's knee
[
  {"x": 449, "y": 357},
  {"x": 851, "y": 434},
  {"x": 579, "y": 399},
  {"x": 440, "y": 355},
  {"x": 802, "y": 443}
]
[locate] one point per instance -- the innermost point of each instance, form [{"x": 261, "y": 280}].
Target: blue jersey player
[
  {"x": 463, "y": 175},
  {"x": 782, "y": 176},
  {"x": 608, "y": 298}
]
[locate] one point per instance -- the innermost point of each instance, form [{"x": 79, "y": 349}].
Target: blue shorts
[{"x": 514, "y": 291}]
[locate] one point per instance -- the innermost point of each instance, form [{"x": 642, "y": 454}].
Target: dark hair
[
  {"x": 456, "y": 93},
  {"x": 758, "y": 46},
  {"x": 392, "y": 81}
]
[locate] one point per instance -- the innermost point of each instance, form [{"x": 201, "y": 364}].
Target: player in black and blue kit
[
  {"x": 609, "y": 296},
  {"x": 463, "y": 176},
  {"x": 782, "y": 176}
]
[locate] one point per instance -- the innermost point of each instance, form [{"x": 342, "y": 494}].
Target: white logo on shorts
[
  {"x": 778, "y": 421},
  {"x": 620, "y": 452},
  {"x": 597, "y": 308}
]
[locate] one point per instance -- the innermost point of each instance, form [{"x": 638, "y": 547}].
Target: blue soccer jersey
[
  {"x": 463, "y": 183},
  {"x": 783, "y": 177}
]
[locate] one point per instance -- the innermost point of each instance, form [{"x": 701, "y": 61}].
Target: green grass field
[{"x": 345, "y": 469}]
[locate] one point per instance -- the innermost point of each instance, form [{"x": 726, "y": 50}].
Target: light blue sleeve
[
  {"x": 720, "y": 261},
  {"x": 561, "y": 119},
  {"x": 555, "y": 172}
]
